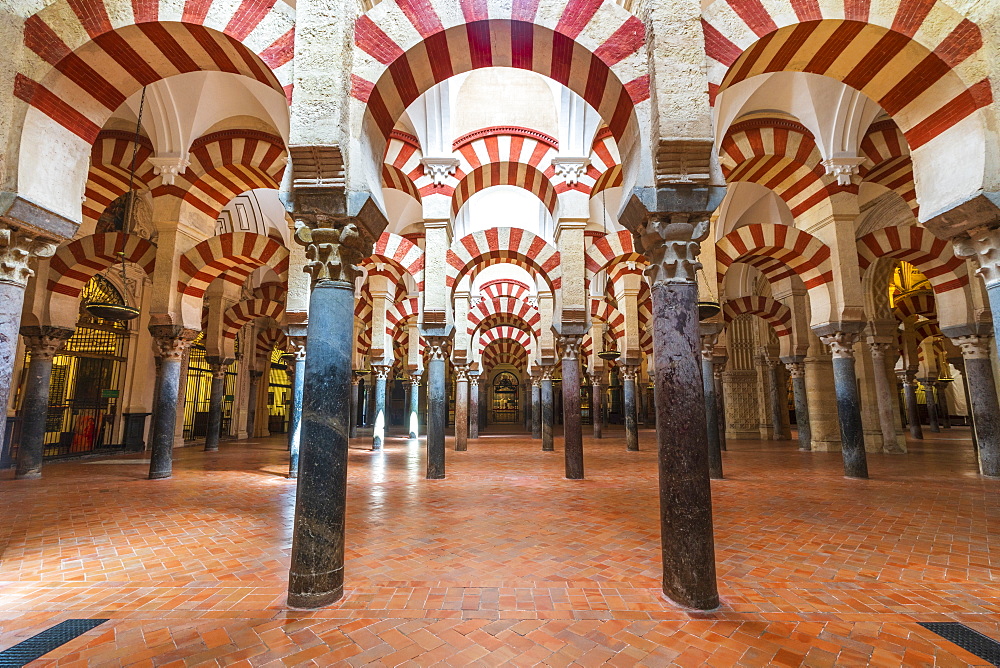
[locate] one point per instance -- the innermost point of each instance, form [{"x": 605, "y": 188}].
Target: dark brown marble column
[
  {"x": 217, "y": 366},
  {"x": 628, "y": 405},
  {"x": 797, "y": 370},
  {"x": 845, "y": 382},
  {"x": 172, "y": 342},
  {"x": 43, "y": 343},
  {"x": 461, "y": 407},
  {"x": 597, "y": 402},
  {"x": 437, "y": 406},
  {"x": 983, "y": 400},
  {"x": 572, "y": 428},
  {"x": 473, "y": 405},
  {"x": 909, "y": 380},
  {"x": 719, "y": 368}
]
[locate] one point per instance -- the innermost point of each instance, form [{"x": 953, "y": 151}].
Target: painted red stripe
[
  {"x": 439, "y": 55},
  {"x": 247, "y": 17},
  {"x": 371, "y": 39},
  {"x": 121, "y": 51},
  {"x": 422, "y": 15},
  {"x": 883, "y": 51},
  {"x": 964, "y": 104},
  {"x": 718, "y": 46},
  {"x": 754, "y": 15},
  {"x": 168, "y": 46},
  {"x": 638, "y": 89},
  {"x": 44, "y": 41},
  {"x": 145, "y": 10},
  {"x": 800, "y": 35},
  {"x": 195, "y": 11},
  {"x": 402, "y": 78},
  {"x": 749, "y": 59},
  {"x": 576, "y": 16},
  {"x": 910, "y": 15},
  {"x": 961, "y": 43},
  {"x": 623, "y": 42},
  {"x": 480, "y": 45},
  {"x": 807, "y": 10},
  {"x": 857, "y": 10},
  {"x": 474, "y": 10},
  {"x": 93, "y": 16},
  {"x": 522, "y": 46},
  {"x": 55, "y": 108},
  {"x": 213, "y": 49},
  {"x": 280, "y": 52},
  {"x": 835, "y": 44}
]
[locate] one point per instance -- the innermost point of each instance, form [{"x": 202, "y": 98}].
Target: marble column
[
  {"x": 217, "y": 366},
  {"x": 909, "y": 380},
  {"x": 931, "y": 402},
  {"x": 708, "y": 342},
  {"x": 983, "y": 400},
  {"x": 297, "y": 361},
  {"x": 884, "y": 396},
  {"x": 171, "y": 342},
  {"x": 461, "y": 407},
  {"x": 778, "y": 400},
  {"x": 474, "y": 405},
  {"x": 845, "y": 383},
  {"x": 628, "y": 405},
  {"x": 944, "y": 413},
  {"x": 413, "y": 419},
  {"x": 255, "y": 377},
  {"x": 437, "y": 406},
  {"x": 548, "y": 409},
  {"x": 355, "y": 397},
  {"x": 17, "y": 248},
  {"x": 797, "y": 370},
  {"x": 44, "y": 343},
  {"x": 719, "y": 368},
  {"x": 596, "y": 403},
  {"x": 671, "y": 242},
  {"x": 572, "y": 428},
  {"x": 381, "y": 372},
  {"x": 536, "y": 406}
]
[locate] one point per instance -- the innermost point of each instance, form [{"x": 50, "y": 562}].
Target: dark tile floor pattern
[{"x": 505, "y": 561}]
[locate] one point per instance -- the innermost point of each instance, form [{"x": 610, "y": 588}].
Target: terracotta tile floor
[{"x": 506, "y": 561}]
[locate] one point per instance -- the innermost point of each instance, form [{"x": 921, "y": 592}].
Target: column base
[
  {"x": 826, "y": 446},
  {"x": 159, "y": 476},
  {"x": 34, "y": 475},
  {"x": 313, "y": 601}
]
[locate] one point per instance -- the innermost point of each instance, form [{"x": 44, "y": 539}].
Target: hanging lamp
[
  {"x": 125, "y": 311},
  {"x": 708, "y": 308}
]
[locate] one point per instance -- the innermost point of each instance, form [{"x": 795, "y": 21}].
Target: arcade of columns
[{"x": 826, "y": 171}]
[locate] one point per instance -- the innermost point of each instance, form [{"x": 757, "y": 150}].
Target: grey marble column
[
  {"x": 708, "y": 342},
  {"x": 297, "y": 361},
  {"x": 845, "y": 383},
  {"x": 217, "y": 366},
  {"x": 797, "y": 370},
  {"x": 983, "y": 400},
  {"x": 355, "y": 398},
  {"x": 909, "y": 380},
  {"x": 884, "y": 396},
  {"x": 944, "y": 412},
  {"x": 548, "y": 409},
  {"x": 474, "y": 405},
  {"x": 931, "y": 402},
  {"x": 628, "y": 405},
  {"x": 778, "y": 399},
  {"x": 381, "y": 373},
  {"x": 44, "y": 343},
  {"x": 171, "y": 342},
  {"x": 719, "y": 368},
  {"x": 461, "y": 407},
  {"x": 413, "y": 419},
  {"x": 596, "y": 403},
  {"x": 572, "y": 428},
  {"x": 536, "y": 406},
  {"x": 671, "y": 242},
  {"x": 437, "y": 406},
  {"x": 255, "y": 376}
]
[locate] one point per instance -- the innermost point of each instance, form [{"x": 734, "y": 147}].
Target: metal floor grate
[
  {"x": 46, "y": 641},
  {"x": 984, "y": 647}
]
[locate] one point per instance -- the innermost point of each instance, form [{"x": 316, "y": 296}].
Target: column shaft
[
  {"x": 845, "y": 384},
  {"x": 597, "y": 408},
  {"x": 34, "y": 412},
  {"x": 983, "y": 400},
  {"x": 413, "y": 419},
  {"x": 572, "y": 429},
  {"x": 316, "y": 575},
  {"x": 437, "y": 406},
  {"x": 547, "y": 410},
  {"x": 295, "y": 420},
  {"x": 912, "y": 409},
  {"x": 252, "y": 403},
  {"x": 883, "y": 394},
  {"x": 474, "y": 408},
  {"x": 778, "y": 401},
  {"x": 711, "y": 417},
  {"x": 215, "y": 397},
  {"x": 378, "y": 430},
  {"x": 718, "y": 368},
  {"x": 631, "y": 424},
  {"x": 930, "y": 397},
  {"x": 355, "y": 386},
  {"x": 461, "y": 409},
  {"x": 536, "y": 408},
  {"x": 171, "y": 342},
  {"x": 798, "y": 373}
]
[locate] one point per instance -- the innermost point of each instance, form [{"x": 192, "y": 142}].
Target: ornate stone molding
[
  {"x": 439, "y": 169},
  {"x": 381, "y": 371},
  {"x": 973, "y": 347},
  {"x": 569, "y": 345},
  {"x": 44, "y": 343},
  {"x": 217, "y": 365},
  {"x": 908, "y": 377},
  {"x": 672, "y": 246},
  {"x": 298, "y": 344},
  {"x": 571, "y": 170},
  {"x": 708, "y": 343},
  {"x": 334, "y": 247},
  {"x": 17, "y": 247},
  {"x": 547, "y": 372},
  {"x": 983, "y": 245},
  {"x": 843, "y": 167},
  {"x": 629, "y": 372},
  {"x": 415, "y": 379},
  {"x": 879, "y": 349},
  {"x": 171, "y": 341},
  {"x": 474, "y": 380},
  {"x": 841, "y": 343},
  {"x": 796, "y": 369},
  {"x": 437, "y": 347},
  {"x": 167, "y": 167},
  {"x": 536, "y": 380},
  {"x": 461, "y": 371}
]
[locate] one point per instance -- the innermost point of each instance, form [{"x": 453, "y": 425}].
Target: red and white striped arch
[
  {"x": 609, "y": 249},
  {"x": 397, "y": 316},
  {"x": 513, "y": 309},
  {"x": 267, "y": 340},
  {"x": 505, "y": 174},
  {"x": 620, "y": 270},
  {"x": 84, "y": 58},
  {"x": 595, "y": 49},
  {"x": 232, "y": 256},
  {"x": 605, "y": 169},
  {"x": 402, "y": 253},
  {"x": 110, "y": 164},
  {"x": 920, "y": 60},
  {"x": 778, "y": 251},
  {"x": 915, "y": 304},
  {"x": 934, "y": 257},
  {"x": 505, "y": 287},
  {"x": 239, "y": 314},
  {"x": 503, "y": 245},
  {"x": 887, "y": 162},
  {"x": 609, "y": 315},
  {"x": 645, "y": 316},
  {"x": 504, "y": 351},
  {"x": 514, "y": 334},
  {"x": 771, "y": 311},
  {"x": 780, "y": 155},
  {"x": 401, "y": 167},
  {"x": 78, "y": 261},
  {"x": 272, "y": 291},
  {"x": 226, "y": 164}
]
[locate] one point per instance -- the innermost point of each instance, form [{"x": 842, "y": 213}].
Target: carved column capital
[
  {"x": 17, "y": 248},
  {"x": 437, "y": 347},
  {"x": 172, "y": 341},
  {"x": 569, "y": 345},
  {"x": 44, "y": 343},
  {"x": 298, "y": 344},
  {"x": 381, "y": 371},
  {"x": 415, "y": 379},
  {"x": 879, "y": 350},
  {"x": 461, "y": 372},
  {"x": 841, "y": 343},
  {"x": 629, "y": 372},
  {"x": 796, "y": 369},
  {"x": 973, "y": 347},
  {"x": 708, "y": 343},
  {"x": 217, "y": 365},
  {"x": 908, "y": 377},
  {"x": 983, "y": 245},
  {"x": 536, "y": 380},
  {"x": 547, "y": 372},
  {"x": 672, "y": 245},
  {"x": 474, "y": 381},
  {"x": 334, "y": 246}
]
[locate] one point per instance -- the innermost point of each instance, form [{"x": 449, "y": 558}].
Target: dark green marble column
[{"x": 43, "y": 344}]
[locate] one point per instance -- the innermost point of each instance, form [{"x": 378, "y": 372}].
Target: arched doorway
[
  {"x": 505, "y": 398},
  {"x": 198, "y": 389},
  {"x": 87, "y": 378}
]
